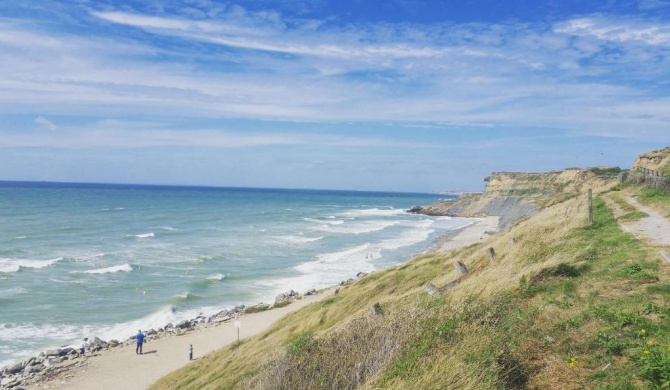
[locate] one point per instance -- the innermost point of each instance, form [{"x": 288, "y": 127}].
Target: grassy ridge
[{"x": 564, "y": 305}]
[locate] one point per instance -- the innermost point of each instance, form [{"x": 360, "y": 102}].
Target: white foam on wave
[
  {"x": 183, "y": 296},
  {"x": 357, "y": 227},
  {"x": 374, "y": 212},
  {"x": 218, "y": 277},
  {"x": 84, "y": 257},
  {"x": 160, "y": 318},
  {"x": 168, "y": 228},
  {"x": 145, "y": 235},
  {"x": 20, "y": 237},
  {"x": 419, "y": 233},
  {"x": 8, "y": 292},
  {"x": 49, "y": 335},
  {"x": 336, "y": 264},
  {"x": 331, "y": 220},
  {"x": 110, "y": 270},
  {"x": 297, "y": 239},
  {"x": 14, "y": 265}
]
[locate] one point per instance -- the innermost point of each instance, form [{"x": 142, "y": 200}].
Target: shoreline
[
  {"x": 168, "y": 351},
  {"x": 120, "y": 367},
  {"x": 479, "y": 230}
]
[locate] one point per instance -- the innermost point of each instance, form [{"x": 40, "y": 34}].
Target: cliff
[
  {"x": 656, "y": 160},
  {"x": 517, "y": 195}
]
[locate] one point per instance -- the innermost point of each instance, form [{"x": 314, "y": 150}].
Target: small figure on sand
[
  {"x": 84, "y": 346},
  {"x": 140, "y": 341},
  {"x": 337, "y": 291}
]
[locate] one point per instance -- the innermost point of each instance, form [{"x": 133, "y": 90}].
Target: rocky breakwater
[
  {"x": 516, "y": 195},
  {"x": 56, "y": 365}
]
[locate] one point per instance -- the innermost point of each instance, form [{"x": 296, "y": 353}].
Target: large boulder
[
  {"x": 15, "y": 369},
  {"x": 10, "y": 382},
  {"x": 52, "y": 352},
  {"x": 184, "y": 324}
]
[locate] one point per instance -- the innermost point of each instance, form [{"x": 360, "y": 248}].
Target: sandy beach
[
  {"x": 121, "y": 368},
  {"x": 479, "y": 230}
]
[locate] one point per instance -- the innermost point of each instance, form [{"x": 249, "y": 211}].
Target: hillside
[
  {"x": 656, "y": 160},
  {"x": 515, "y": 195},
  {"x": 563, "y": 304}
]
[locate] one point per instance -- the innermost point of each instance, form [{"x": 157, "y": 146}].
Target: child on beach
[{"x": 84, "y": 345}]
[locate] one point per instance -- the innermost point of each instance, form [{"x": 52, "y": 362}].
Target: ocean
[{"x": 83, "y": 260}]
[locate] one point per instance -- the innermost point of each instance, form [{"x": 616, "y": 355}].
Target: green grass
[
  {"x": 563, "y": 307},
  {"x": 633, "y": 216},
  {"x": 607, "y": 171}
]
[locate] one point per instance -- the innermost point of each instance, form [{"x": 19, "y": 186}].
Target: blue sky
[{"x": 403, "y": 95}]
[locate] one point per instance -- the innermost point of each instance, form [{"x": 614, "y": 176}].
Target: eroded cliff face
[
  {"x": 657, "y": 160},
  {"x": 515, "y": 195}
]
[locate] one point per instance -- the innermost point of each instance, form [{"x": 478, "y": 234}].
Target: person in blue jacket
[{"x": 140, "y": 341}]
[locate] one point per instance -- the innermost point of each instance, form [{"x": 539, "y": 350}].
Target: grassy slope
[{"x": 564, "y": 305}]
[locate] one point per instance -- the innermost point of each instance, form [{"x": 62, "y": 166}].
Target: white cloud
[
  {"x": 45, "y": 123},
  {"x": 475, "y": 75},
  {"x": 619, "y": 30}
]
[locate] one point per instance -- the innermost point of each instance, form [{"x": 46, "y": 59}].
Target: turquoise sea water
[{"x": 82, "y": 260}]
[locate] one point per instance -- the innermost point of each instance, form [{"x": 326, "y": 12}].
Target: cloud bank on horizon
[{"x": 395, "y": 95}]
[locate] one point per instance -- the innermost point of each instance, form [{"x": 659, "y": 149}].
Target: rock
[
  {"x": 57, "y": 360},
  {"x": 33, "y": 369},
  {"x": 361, "y": 274},
  {"x": 221, "y": 319},
  {"x": 169, "y": 326},
  {"x": 415, "y": 210},
  {"x": 236, "y": 309},
  {"x": 281, "y": 298},
  {"x": 184, "y": 324},
  {"x": 311, "y": 292},
  {"x": 431, "y": 290},
  {"x": 65, "y": 351},
  {"x": 150, "y": 332},
  {"x": 259, "y": 307},
  {"x": 221, "y": 314},
  {"x": 98, "y": 343},
  {"x": 9, "y": 382},
  {"x": 18, "y": 367},
  {"x": 52, "y": 352}
]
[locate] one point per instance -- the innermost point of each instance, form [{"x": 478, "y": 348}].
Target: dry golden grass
[{"x": 524, "y": 321}]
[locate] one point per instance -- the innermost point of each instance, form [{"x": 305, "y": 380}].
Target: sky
[{"x": 393, "y": 95}]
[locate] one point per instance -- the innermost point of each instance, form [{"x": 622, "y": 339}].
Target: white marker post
[{"x": 238, "y": 325}]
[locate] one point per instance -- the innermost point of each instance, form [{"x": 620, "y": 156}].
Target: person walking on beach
[{"x": 140, "y": 341}]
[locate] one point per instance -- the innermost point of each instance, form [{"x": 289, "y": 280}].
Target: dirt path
[{"x": 655, "y": 227}]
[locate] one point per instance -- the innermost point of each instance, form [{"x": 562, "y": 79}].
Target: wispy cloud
[
  {"x": 45, "y": 123},
  {"x": 618, "y": 30},
  {"x": 228, "y": 62}
]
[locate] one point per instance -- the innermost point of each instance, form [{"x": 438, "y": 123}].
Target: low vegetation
[{"x": 564, "y": 305}]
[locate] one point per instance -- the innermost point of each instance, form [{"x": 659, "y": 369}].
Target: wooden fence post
[{"x": 590, "y": 207}]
